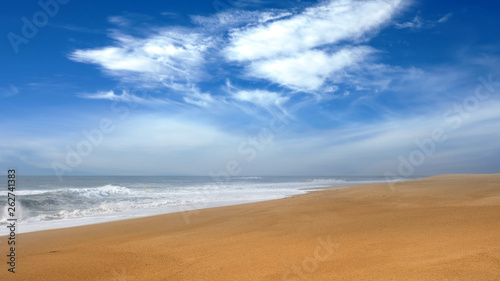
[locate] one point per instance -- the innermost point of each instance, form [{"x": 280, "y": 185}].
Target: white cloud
[
  {"x": 109, "y": 95},
  {"x": 116, "y": 59},
  {"x": 315, "y": 27},
  {"x": 169, "y": 57},
  {"x": 415, "y": 23},
  {"x": 418, "y": 22},
  {"x": 265, "y": 17},
  {"x": 445, "y": 18},
  {"x": 261, "y": 98},
  {"x": 297, "y": 51},
  {"x": 199, "y": 99},
  {"x": 287, "y": 51},
  {"x": 124, "y": 97},
  {"x": 373, "y": 149},
  {"x": 199, "y": 146},
  {"x": 118, "y": 20},
  {"x": 307, "y": 70},
  {"x": 226, "y": 19}
]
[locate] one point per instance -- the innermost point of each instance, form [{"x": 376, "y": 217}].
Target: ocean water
[{"x": 44, "y": 202}]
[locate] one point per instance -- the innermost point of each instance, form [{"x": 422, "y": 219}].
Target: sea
[{"x": 45, "y": 202}]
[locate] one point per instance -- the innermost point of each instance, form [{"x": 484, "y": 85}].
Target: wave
[
  {"x": 32, "y": 192},
  {"x": 114, "y": 208},
  {"x": 87, "y": 192},
  {"x": 66, "y": 203},
  {"x": 78, "y": 213},
  {"x": 100, "y": 192}
]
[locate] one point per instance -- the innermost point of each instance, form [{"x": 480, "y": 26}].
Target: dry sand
[{"x": 441, "y": 228}]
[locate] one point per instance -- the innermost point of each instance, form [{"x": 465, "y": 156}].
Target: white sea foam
[
  {"x": 79, "y": 201},
  {"x": 103, "y": 191},
  {"x": 99, "y": 192}
]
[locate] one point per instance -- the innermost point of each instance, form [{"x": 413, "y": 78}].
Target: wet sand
[{"x": 440, "y": 228}]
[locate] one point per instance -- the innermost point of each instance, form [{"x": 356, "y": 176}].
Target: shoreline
[
  {"x": 437, "y": 228},
  {"x": 216, "y": 205},
  {"x": 36, "y": 226}
]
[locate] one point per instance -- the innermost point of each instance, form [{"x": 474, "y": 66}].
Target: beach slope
[{"x": 440, "y": 228}]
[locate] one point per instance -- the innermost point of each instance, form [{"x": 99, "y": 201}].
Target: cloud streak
[
  {"x": 299, "y": 51},
  {"x": 9, "y": 91},
  {"x": 418, "y": 22},
  {"x": 168, "y": 58},
  {"x": 319, "y": 66},
  {"x": 294, "y": 52},
  {"x": 307, "y": 71},
  {"x": 200, "y": 146},
  {"x": 124, "y": 97}
]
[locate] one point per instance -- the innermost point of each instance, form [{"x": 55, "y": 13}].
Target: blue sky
[{"x": 250, "y": 87}]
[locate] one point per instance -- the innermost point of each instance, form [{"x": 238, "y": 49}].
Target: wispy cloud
[
  {"x": 295, "y": 52},
  {"x": 128, "y": 19},
  {"x": 170, "y": 15},
  {"x": 199, "y": 146},
  {"x": 418, "y": 22},
  {"x": 78, "y": 28},
  {"x": 195, "y": 97},
  {"x": 271, "y": 101},
  {"x": 168, "y": 58},
  {"x": 414, "y": 24},
  {"x": 308, "y": 71},
  {"x": 9, "y": 91},
  {"x": 216, "y": 80},
  {"x": 315, "y": 27},
  {"x": 118, "y": 20},
  {"x": 445, "y": 18},
  {"x": 124, "y": 97},
  {"x": 378, "y": 146},
  {"x": 225, "y": 20}
]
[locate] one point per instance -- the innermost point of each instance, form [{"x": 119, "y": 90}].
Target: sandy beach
[{"x": 441, "y": 228}]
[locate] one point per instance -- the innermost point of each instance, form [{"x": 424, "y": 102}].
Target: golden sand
[{"x": 440, "y": 228}]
